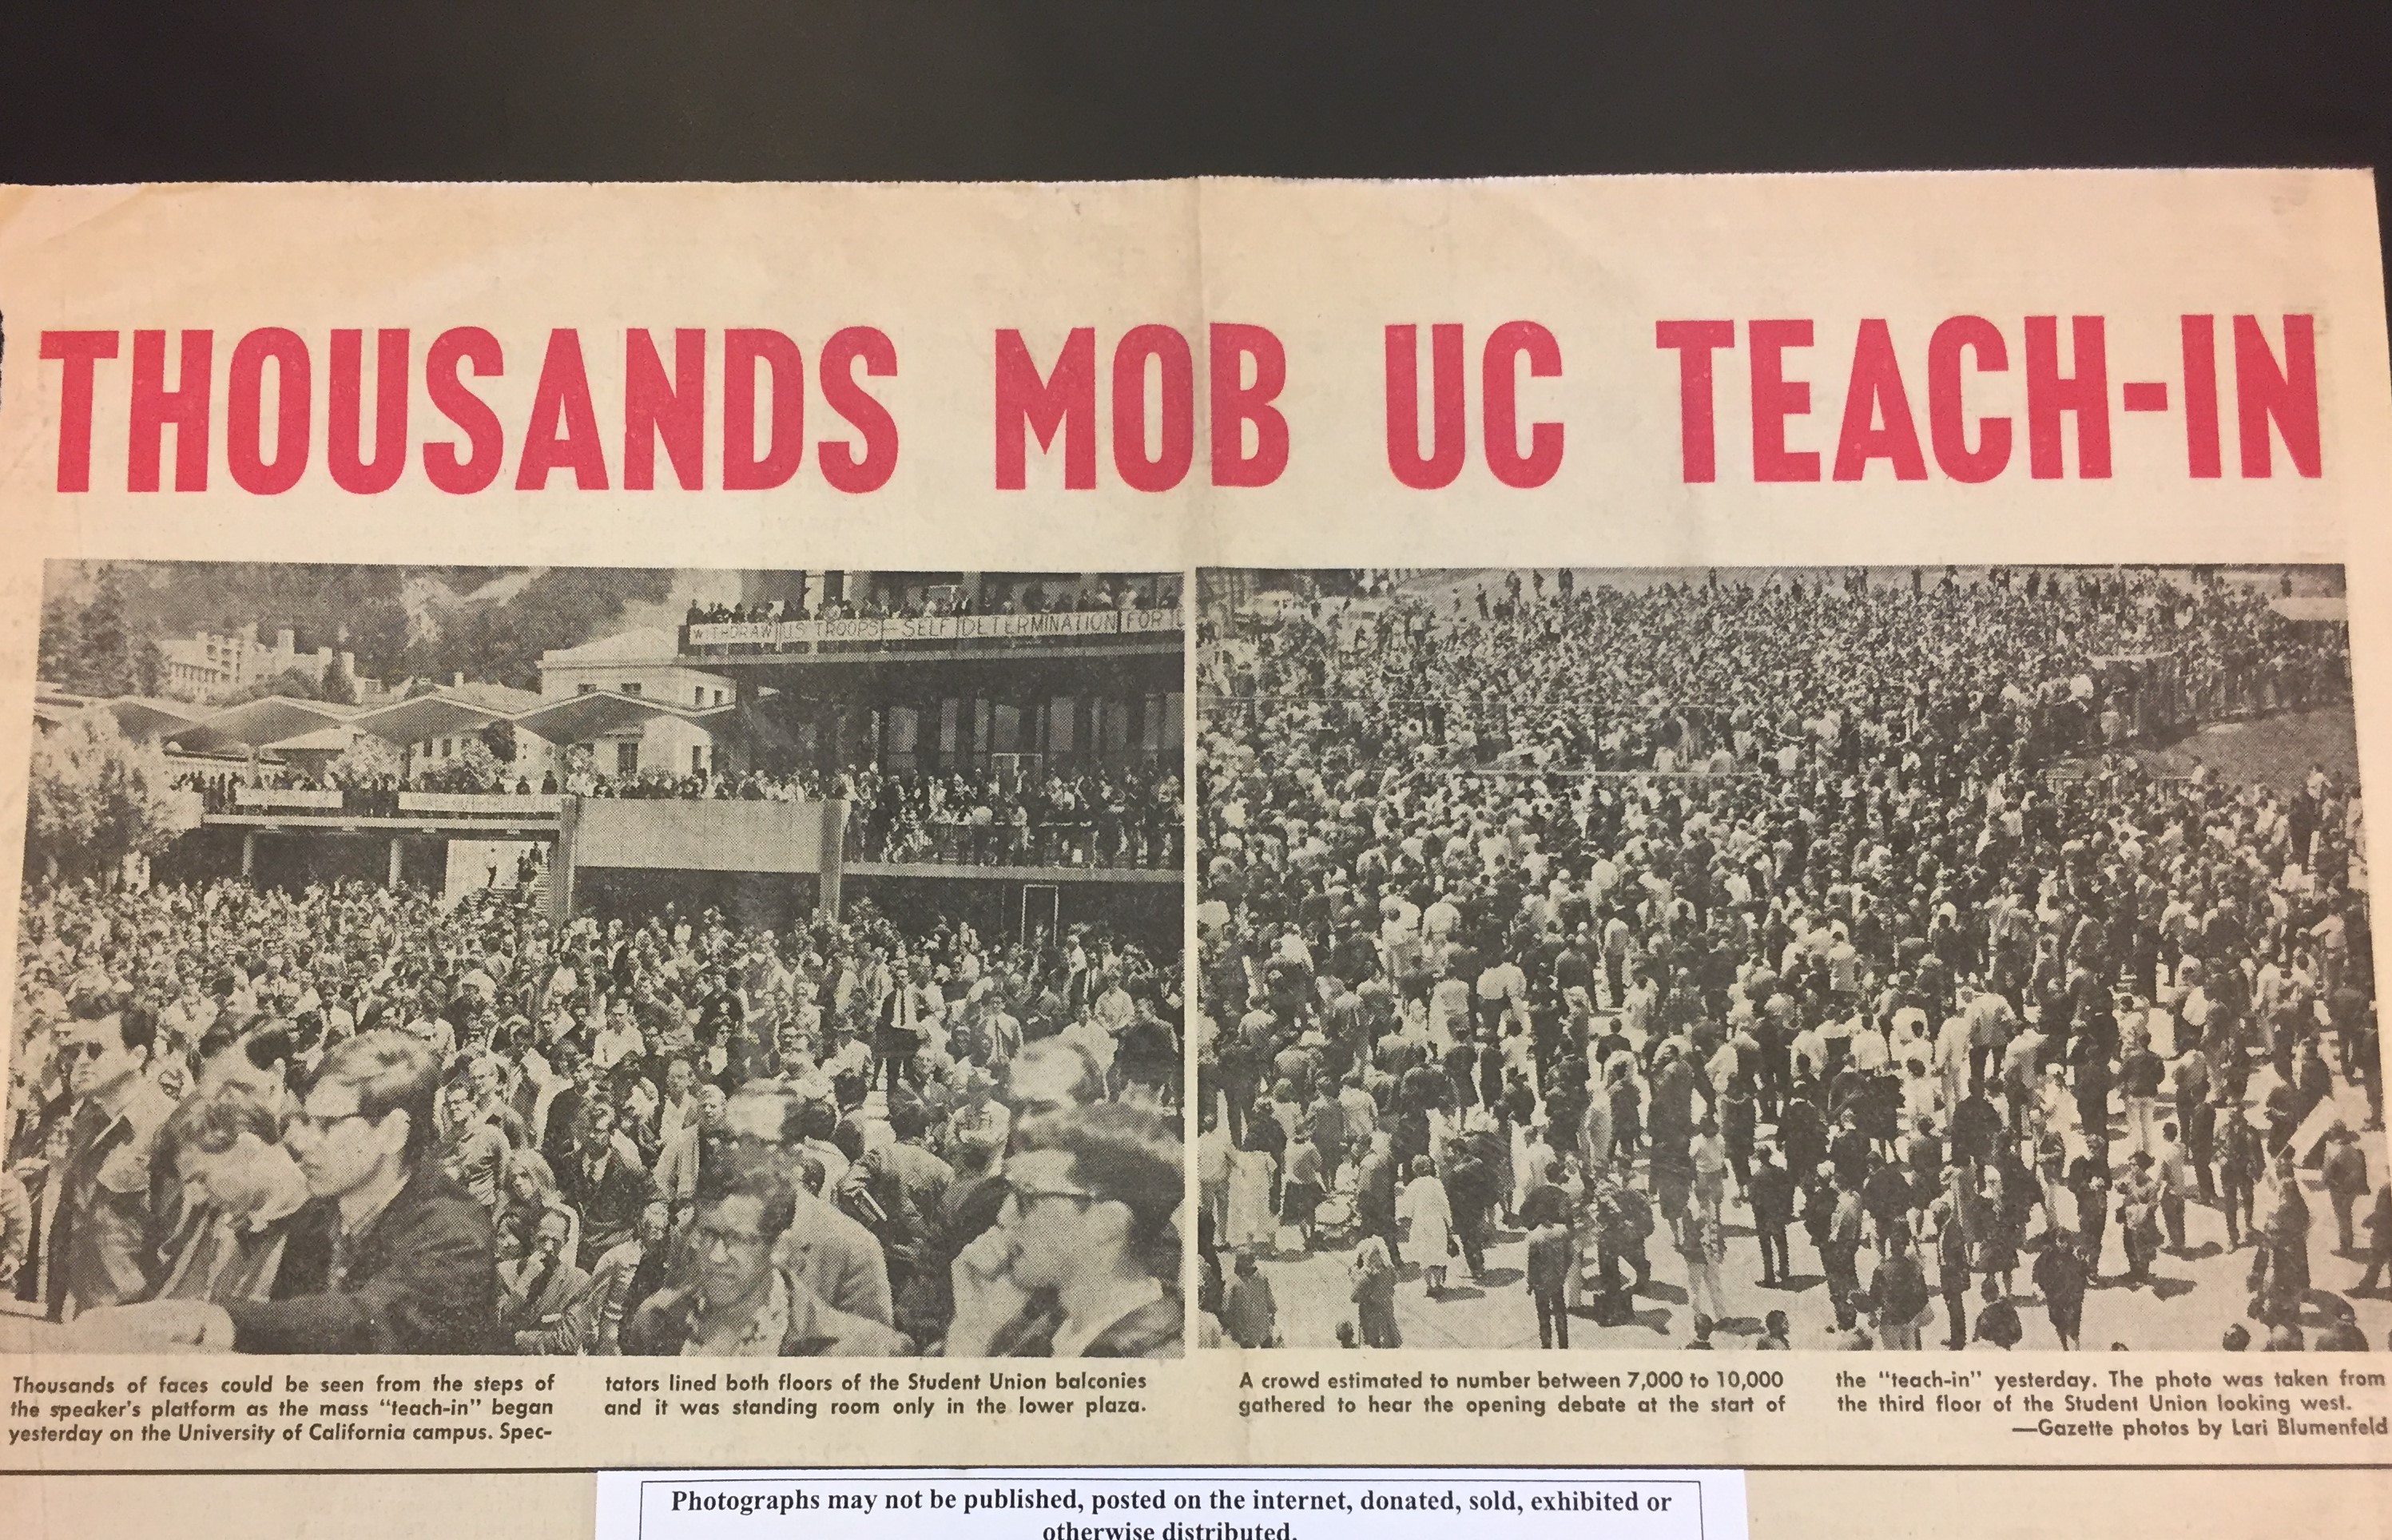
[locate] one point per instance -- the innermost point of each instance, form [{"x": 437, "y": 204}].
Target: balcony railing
[
  {"x": 1146, "y": 848},
  {"x": 764, "y": 638},
  {"x": 375, "y": 802},
  {"x": 1142, "y": 845}
]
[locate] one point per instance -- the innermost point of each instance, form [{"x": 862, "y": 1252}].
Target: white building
[
  {"x": 208, "y": 663},
  {"x": 642, "y": 663},
  {"x": 645, "y": 662},
  {"x": 499, "y": 701}
]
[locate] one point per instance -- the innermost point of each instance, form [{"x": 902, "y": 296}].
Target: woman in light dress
[
  {"x": 1531, "y": 1153},
  {"x": 1251, "y": 1221},
  {"x": 1430, "y": 1238},
  {"x": 1594, "y": 1132}
]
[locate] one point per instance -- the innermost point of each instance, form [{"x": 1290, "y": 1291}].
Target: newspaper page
[{"x": 1526, "y": 777}]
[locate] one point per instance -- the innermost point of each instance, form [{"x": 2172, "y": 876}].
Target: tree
[
  {"x": 361, "y": 608},
  {"x": 96, "y": 797},
  {"x": 500, "y": 639},
  {"x": 475, "y": 768},
  {"x": 94, "y": 647},
  {"x": 366, "y": 759},
  {"x": 500, "y": 739},
  {"x": 339, "y": 687},
  {"x": 478, "y": 765},
  {"x": 292, "y": 683}
]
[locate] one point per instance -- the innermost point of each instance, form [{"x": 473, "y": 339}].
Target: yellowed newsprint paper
[{"x": 1662, "y": 823}]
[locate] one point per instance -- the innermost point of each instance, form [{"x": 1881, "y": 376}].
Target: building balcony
[{"x": 712, "y": 643}]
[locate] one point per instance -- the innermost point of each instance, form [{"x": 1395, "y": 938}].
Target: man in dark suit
[
  {"x": 557, "y": 1137},
  {"x": 1375, "y": 1195},
  {"x": 1551, "y": 1256},
  {"x": 1773, "y": 1211},
  {"x": 602, "y": 1183}
]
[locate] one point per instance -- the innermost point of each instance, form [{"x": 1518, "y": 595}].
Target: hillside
[{"x": 489, "y": 622}]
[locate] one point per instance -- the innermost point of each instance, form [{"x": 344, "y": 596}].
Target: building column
[
  {"x": 560, "y": 864},
  {"x": 247, "y": 851},
  {"x": 833, "y": 864},
  {"x": 398, "y": 860}
]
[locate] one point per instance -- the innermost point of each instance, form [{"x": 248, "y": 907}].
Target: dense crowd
[
  {"x": 1118, "y": 816},
  {"x": 1727, "y": 675},
  {"x": 368, "y": 793},
  {"x": 1593, "y": 912},
  {"x": 358, "y": 1119},
  {"x": 1000, "y": 596}
]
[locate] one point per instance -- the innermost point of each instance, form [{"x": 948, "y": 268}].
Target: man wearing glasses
[
  {"x": 388, "y": 1256},
  {"x": 834, "y": 1256},
  {"x": 1084, "y": 1259},
  {"x": 741, "y": 1305},
  {"x": 103, "y": 1248}
]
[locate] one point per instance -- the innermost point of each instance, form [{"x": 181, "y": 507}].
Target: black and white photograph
[
  {"x": 1897, "y": 958},
  {"x": 596, "y": 961}
]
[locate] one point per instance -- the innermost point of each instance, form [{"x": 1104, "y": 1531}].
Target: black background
[{"x": 100, "y": 90}]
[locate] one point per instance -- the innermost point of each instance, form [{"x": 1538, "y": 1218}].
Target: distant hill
[{"x": 489, "y": 622}]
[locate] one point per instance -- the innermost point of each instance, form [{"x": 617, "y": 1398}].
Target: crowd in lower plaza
[
  {"x": 1799, "y": 959},
  {"x": 351, "y": 1119}
]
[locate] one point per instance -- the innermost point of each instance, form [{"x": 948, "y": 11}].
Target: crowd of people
[
  {"x": 1728, "y": 919},
  {"x": 369, "y": 793},
  {"x": 1709, "y": 673},
  {"x": 1123, "y": 817},
  {"x": 358, "y": 1120},
  {"x": 1000, "y": 594},
  {"x": 1109, "y": 816}
]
